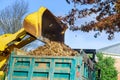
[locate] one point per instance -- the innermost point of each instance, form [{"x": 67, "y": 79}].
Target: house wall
[{"x": 117, "y": 63}]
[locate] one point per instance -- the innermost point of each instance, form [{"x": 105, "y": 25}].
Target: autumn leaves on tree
[{"x": 107, "y": 16}]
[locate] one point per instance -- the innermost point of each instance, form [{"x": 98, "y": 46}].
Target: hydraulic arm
[
  {"x": 42, "y": 25},
  {"x": 7, "y": 39}
]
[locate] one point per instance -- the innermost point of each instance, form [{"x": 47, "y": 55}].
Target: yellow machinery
[{"x": 42, "y": 25}]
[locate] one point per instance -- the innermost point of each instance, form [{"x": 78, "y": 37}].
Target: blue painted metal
[{"x": 24, "y": 67}]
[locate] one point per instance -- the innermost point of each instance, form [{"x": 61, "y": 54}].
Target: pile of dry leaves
[{"x": 53, "y": 48}]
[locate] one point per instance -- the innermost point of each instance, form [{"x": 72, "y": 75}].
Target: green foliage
[{"x": 106, "y": 64}]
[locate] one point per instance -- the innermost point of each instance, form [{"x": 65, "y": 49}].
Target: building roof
[{"x": 113, "y": 49}]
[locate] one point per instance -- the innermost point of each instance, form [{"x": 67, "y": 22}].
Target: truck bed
[{"x": 26, "y": 67}]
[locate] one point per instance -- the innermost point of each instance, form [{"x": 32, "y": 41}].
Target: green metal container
[{"x": 24, "y": 67}]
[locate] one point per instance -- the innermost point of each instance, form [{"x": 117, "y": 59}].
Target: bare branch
[{"x": 11, "y": 17}]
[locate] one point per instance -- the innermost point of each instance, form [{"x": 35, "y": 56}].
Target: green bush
[{"x": 106, "y": 65}]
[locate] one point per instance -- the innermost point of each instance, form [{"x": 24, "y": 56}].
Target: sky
[{"x": 76, "y": 39}]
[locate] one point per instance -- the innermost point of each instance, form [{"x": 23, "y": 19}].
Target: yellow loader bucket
[{"x": 44, "y": 25}]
